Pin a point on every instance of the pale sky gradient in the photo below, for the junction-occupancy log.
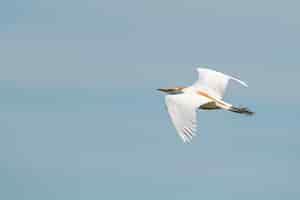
(80, 117)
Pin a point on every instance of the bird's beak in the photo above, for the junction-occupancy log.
(162, 89)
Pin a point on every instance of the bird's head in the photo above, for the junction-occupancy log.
(175, 90)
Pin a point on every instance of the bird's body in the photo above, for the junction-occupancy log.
(206, 93)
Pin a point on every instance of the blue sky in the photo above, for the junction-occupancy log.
(80, 117)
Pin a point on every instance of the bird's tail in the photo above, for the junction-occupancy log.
(241, 110)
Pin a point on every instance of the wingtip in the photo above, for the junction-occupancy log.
(244, 84)
(239, 81)
(199, 69)
(185, 139)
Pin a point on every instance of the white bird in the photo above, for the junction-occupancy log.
(206, 93)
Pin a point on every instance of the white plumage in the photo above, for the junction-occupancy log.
(182, 103)
(182, 110)
(214, 82)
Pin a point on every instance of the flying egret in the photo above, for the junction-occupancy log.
(206, 93)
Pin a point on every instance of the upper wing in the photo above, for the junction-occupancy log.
(214, 82)
(182, 110)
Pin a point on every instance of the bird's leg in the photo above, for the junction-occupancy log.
(222, 104)
(218, 102)
(241, 110)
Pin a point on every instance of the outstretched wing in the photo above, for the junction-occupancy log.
(182, 111)
(214, 82)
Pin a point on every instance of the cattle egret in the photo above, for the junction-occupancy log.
(206, 93)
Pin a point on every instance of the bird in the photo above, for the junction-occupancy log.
(206, 93)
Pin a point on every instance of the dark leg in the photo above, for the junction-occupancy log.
(241, 110)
